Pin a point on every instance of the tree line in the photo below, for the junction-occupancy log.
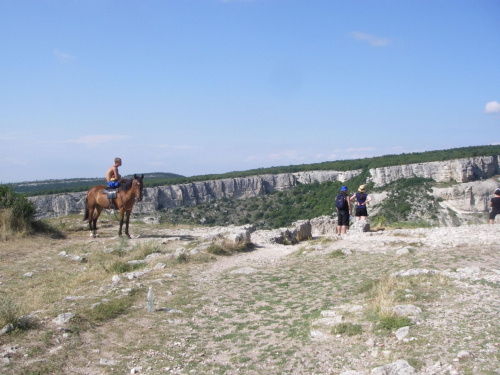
(162, 179)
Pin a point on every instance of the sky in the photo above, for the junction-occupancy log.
(198, 87)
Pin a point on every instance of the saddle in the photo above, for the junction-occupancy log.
(110, 193)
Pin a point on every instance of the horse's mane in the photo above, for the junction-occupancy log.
(126, 185)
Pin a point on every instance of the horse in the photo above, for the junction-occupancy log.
(96, 200)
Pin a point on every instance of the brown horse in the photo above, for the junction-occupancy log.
(96, 200)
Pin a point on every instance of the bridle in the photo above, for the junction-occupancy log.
(138, 185)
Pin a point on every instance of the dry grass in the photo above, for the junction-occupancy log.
(211, 320)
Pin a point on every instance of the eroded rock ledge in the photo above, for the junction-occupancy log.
(170, 196)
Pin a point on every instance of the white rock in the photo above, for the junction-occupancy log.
(400, 367)
(7, 329)
(407, 310)
(245, 270)
(328, 313)
(464, 354)
(107, 362)
(63, 318)
(403, 251)
(319, 336)
(328, 321)
(402, 332)
(116, 279)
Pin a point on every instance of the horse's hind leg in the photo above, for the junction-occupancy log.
(121, 222)
(94, 220)
(91, 221)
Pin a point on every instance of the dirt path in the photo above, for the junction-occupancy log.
(263, 311)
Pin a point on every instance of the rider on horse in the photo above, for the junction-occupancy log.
(113, 178)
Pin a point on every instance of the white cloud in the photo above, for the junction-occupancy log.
(374, 41)
(91, 140)
(492, 108)
(63, 56)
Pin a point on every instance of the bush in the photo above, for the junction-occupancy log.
(16, 211)
(9, 312)
(228, 248)
(348, 329)
(392, 323)
(109, 310)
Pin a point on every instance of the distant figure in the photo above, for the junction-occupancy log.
(362, 199)
(344, 210)
(495, 206)
(113, 179)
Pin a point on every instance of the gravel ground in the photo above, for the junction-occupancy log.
(274, 310)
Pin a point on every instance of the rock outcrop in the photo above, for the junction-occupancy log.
(172, 196)
(466, 197)
(459, 170)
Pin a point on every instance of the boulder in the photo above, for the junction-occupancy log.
(361, 226)
(323, 226)
(400, 367)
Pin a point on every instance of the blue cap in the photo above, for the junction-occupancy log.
(344, 188)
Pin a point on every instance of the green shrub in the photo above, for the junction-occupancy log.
(118, 267)
(17, 212)
(110, 309)
(9, 312)
(217, 249)
(228, 248)
(348, 329)
(391, 323)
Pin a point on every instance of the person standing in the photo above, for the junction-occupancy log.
(495, 206)
(362, 199)
(344, 210)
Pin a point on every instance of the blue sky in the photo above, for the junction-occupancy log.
(211, 86)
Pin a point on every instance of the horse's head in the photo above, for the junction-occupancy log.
(138, 186)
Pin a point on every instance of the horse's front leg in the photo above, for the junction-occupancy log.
(126, 223)
(122, 211)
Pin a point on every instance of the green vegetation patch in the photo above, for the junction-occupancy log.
(349, 329)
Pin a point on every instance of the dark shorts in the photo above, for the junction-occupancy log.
(343, 218)
(494, 213)
(361, 211)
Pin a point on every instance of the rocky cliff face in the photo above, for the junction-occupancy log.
(171, 196)
(467, 197)
(459, 170)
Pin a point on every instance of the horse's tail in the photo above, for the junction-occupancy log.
(86, 217)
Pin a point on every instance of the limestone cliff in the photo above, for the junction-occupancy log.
(459, 170)
(170, 196)
(462, 197)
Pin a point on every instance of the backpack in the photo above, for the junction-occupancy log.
(340, 201)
